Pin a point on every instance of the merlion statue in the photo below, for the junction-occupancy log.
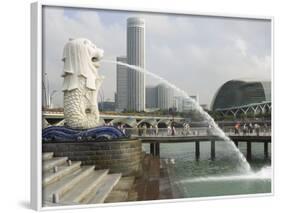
(80, 87)
(81, 83)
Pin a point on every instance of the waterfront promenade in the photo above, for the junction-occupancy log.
(203, 135)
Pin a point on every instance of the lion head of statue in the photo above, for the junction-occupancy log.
(81, 58)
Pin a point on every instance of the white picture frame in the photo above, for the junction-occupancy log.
(36, 98)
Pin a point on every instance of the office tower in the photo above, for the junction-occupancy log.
(136, 56)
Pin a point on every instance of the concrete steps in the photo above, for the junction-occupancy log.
(84, 189)
(125, 183)
(103, 189)
(47, 155)
(65, 183)
(51, 176)
(51, 163)
(68, 183)
(122, 191)
(117, 196)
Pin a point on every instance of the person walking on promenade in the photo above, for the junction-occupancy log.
(236, 128)
(250, 128)
(144, 130)
(119, 126)
(156, 129)
(169, 130)
(173, 130)
(257, 129)
(265, 128)
(186, 129)
(209, 132)
(245, 129)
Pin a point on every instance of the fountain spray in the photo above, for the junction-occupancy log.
(243, 162)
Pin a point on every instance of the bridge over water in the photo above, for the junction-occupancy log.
(130, 120)
(195, 135)
(155, 142)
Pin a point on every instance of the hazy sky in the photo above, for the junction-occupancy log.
(196, 53)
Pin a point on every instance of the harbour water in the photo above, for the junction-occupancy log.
(222, 176)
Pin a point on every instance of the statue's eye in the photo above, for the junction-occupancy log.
(94, 59)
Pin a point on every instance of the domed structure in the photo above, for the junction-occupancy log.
(237, 93)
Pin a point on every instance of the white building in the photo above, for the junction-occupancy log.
(136, 56)
(121, 85)
(177, 103)
(164, 97)
(184, 104)
(187, 105)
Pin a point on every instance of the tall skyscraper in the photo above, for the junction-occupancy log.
(136, 56)
(121, 85)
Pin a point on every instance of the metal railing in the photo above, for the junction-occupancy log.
(200, 131)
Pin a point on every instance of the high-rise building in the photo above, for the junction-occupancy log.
(183, 104)
(136, 56)
(121, 85)
(164, 97)
(178, 103)
(151, 97)
(187, 105)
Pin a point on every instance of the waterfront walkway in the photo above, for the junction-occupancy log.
(200, 131)
(155, 142)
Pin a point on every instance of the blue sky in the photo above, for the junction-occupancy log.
(197, 53)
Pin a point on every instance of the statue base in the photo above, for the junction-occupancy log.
(62, 133)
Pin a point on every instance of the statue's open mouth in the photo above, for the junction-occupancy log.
(96, 61)
(96, 57)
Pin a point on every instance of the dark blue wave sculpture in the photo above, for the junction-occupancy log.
(62, 133)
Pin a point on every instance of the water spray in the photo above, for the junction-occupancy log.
(245, 165)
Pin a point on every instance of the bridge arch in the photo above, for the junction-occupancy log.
(129, 122)
(149, 121)
(163, 123)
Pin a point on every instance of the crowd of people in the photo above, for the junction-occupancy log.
(249, 128)
(185, 130)
(170, 130)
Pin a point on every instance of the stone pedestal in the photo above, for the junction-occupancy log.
(119, 156)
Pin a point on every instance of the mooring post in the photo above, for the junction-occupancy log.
(152, 150)
(265, 144)
(249, 150)
(213, 149)
(197, 149)
(157, 149)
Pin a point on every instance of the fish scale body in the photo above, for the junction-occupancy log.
(79, 110)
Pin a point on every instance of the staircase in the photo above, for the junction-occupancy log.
(68, 183)
(123, 191)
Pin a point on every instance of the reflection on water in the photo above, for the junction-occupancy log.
(219, 177)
